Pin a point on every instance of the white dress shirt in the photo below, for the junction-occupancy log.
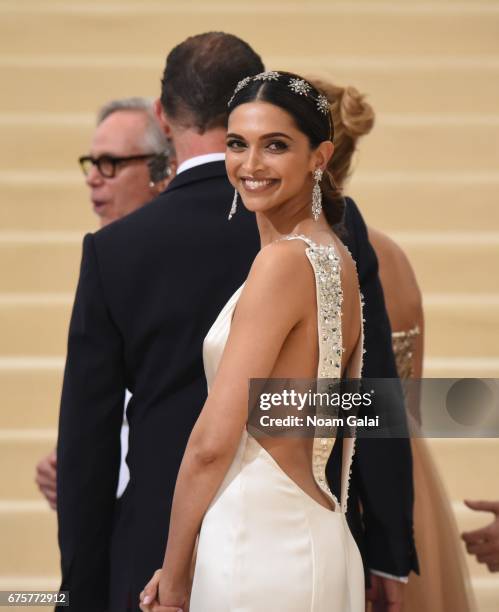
(198, 160)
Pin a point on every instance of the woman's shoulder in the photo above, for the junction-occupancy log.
(284, 263)
(280, 284)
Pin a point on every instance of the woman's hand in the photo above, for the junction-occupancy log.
(154, 592)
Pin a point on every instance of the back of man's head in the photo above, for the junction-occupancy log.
(200, 76)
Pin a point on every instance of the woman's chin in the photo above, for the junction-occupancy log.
(257, 204)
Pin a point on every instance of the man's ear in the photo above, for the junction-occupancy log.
(159, 111)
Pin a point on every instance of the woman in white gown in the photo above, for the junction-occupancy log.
(272, 536)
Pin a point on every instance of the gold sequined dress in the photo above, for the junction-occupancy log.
(443, 584)
(265, 544)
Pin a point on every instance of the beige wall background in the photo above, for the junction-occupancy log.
(428, 175)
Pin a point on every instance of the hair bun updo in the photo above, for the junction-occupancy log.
(353, 117)
(357, 115)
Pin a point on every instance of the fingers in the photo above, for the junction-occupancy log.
(394, 593)
(483, 506)
(53, 458)
(484, 544)
(382, 605)
(151, 589)
(47, 468)
(483, 548)
(156, 607)
(372, 595)
(374, 592)
(45, 482)
(485, 533)
(149, 596)
(474, 537)
(46, 474)
(386, 595)
(488, 559)
(51, 498)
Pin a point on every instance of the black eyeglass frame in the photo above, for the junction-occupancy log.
(114, 161)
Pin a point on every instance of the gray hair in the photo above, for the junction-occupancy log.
(155, 140)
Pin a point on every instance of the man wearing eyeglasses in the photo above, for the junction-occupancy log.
(130, 162)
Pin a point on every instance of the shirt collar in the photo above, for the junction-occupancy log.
(198, 160)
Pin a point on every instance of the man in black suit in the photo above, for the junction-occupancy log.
(150, 287)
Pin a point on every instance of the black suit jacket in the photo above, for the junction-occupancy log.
(150, 287)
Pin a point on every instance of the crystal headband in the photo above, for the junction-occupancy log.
(298, 86)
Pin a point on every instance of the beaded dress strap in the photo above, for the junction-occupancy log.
(326, 267)
(325, 263)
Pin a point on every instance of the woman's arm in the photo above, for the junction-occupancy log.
(276, 297)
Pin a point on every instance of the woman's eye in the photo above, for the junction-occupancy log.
(235, 144)
(277, 145)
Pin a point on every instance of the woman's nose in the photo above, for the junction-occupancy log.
(253, 161)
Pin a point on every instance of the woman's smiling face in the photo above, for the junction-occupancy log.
(269, 160)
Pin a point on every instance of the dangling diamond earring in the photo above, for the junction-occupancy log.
(317, 194)
(233, 208)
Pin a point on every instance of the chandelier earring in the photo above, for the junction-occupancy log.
(233, 208)
(317, 194)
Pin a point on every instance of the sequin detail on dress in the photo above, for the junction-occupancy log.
(326, 265)
(403, 348)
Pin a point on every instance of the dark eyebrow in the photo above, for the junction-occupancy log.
(277, 135)
(271, 135)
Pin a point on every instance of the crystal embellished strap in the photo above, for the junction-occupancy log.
(349, 443)
(327, 270)
(326, 266)
(306, 239)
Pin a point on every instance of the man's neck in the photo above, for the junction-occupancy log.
(189, 143)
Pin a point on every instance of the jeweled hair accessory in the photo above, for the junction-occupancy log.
(322, 104)
(240, 86)
(270, 75)
(297, 86)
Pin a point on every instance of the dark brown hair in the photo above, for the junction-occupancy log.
(200, 76)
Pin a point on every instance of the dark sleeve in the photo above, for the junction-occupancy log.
(382, 468)
(88, 448)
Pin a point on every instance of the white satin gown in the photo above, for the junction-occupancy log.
(266, 545)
